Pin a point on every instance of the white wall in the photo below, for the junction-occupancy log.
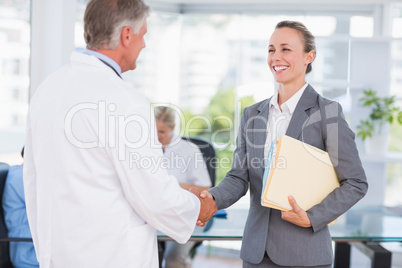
(52, 39)
(370, 69)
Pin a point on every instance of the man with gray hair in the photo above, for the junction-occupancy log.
(88, 203)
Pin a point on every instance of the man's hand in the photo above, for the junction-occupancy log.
(208, 207)
(297, 215)
(205, 194)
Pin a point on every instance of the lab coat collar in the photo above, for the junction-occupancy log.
(89, 60)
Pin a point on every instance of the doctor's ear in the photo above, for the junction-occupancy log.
(125, 36)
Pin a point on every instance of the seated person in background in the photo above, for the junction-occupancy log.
(184, 160)
(22, 254)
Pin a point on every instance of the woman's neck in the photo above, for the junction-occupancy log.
(285, 92)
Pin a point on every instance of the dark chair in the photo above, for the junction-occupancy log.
(208, 153)
(4, 239)
(4, 242)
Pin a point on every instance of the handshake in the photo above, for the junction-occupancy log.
(208, 206)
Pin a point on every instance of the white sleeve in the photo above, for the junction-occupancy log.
(152, 193)
(197, 170)
(29, 179)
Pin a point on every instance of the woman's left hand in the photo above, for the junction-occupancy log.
(297, 215)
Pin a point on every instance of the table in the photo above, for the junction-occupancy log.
(361, 227)
(364, 228)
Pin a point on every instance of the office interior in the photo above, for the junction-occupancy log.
(208, 59)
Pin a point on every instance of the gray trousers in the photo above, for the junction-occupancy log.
(267, 263)
(177, 255)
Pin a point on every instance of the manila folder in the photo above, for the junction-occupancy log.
(300, 170)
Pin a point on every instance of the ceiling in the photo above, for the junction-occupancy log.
(275, 1)
(259, 2)
(269, 6)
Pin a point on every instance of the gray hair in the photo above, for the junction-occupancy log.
(308, 38)
(105, 19)
(165, 115)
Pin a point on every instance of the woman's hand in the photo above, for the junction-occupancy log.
(297, 215)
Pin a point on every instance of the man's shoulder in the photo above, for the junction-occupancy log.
(14, 179)
(188, 146)
(183, 147)
(15, 171)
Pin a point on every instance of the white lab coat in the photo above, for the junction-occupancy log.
(92, 198)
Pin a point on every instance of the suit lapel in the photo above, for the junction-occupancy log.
(299, 117)
(260, 124)
(260, 130)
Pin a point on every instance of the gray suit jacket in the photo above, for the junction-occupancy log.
(316, 121)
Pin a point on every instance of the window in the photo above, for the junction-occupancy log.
(396, 20)
(79, 24)
(396, 69)
(14, 77)
(16, 94)
(361, 26)
(157, 74)
(396, 73)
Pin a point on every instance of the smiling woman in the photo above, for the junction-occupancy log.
(290, 54)
(298, 111)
